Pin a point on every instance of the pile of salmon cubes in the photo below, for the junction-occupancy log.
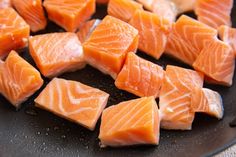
(110, 45)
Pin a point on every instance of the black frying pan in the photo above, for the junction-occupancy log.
(35, 132)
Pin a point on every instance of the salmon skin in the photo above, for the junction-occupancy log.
(32, 12)
(74, 101)
(5, 4)
(69, 14)
(18, 79)
(133, 122)
(217, 61)
(187, 39)
(14, 32)
(86, 29)
(123, 9)
(153, 32)
(108, 45)
(140, 77)
(57, 53)
(214, 12)
(175, 97)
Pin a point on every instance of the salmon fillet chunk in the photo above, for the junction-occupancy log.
(133, 122)
(74, 101)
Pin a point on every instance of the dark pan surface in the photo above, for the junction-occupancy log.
(35, 132)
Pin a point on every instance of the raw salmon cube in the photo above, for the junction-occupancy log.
(123, 9)
(228, 35)
(74, 101)
(56, 53)
(175, 97)
(217, 61)
(207, 101)
(131, 122)
(18, 79)
(32, 12)
(86, 29)
(5, 4)
(140, 77)
(14, 32)
(108, 45)
(187, 38)
(69, 14)
(153, 32)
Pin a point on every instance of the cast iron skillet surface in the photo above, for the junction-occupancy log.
(35, 132)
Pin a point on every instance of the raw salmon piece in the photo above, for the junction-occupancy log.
(188, 38)
(153, 32)
(214, 12)
(140, 77)
(123, 9)
(217, 61)
(86, 29)
(207, 101)
(56, 53)
(131, 122)
(5, 4)
(69, 14)
(32, 12)
(184, 5)
(163, 8)
(102, 1)
(74, 101)
(18, 79)
(108, 45)
(228, 35)
(175, 97)
(14, 32)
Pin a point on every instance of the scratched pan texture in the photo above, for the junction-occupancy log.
(35, 132)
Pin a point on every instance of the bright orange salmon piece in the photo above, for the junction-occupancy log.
(163, 8)
(56, 53)
(18, 79)
(140, 77)
(207, 101)
(184, 5)
(228, 35)
(14, 32)
(86, 29)
(32, 12)
(5, 4)
(214, 12)
(175, 97)
(69, 14)
(108, 45)
(74, 101)
(131, 122)
(217, 61)
(188, 38)
(123, 9)
(153, 32)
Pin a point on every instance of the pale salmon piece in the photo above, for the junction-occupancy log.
(56, 53)
(74, 101)
(140, 77)
(14, 32)
(214, 12)
(32, 12)
(153, 32)
(86, 29)
(69, 14)
(5, 4)
(123, 9)
(184, 5)
(163, 8)
(133, 122)
(217, 61)
(175, 97)
(187, 38)
(228, 35)
(102, 1)
(108, 45)
(18, 79)
(207, 101)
